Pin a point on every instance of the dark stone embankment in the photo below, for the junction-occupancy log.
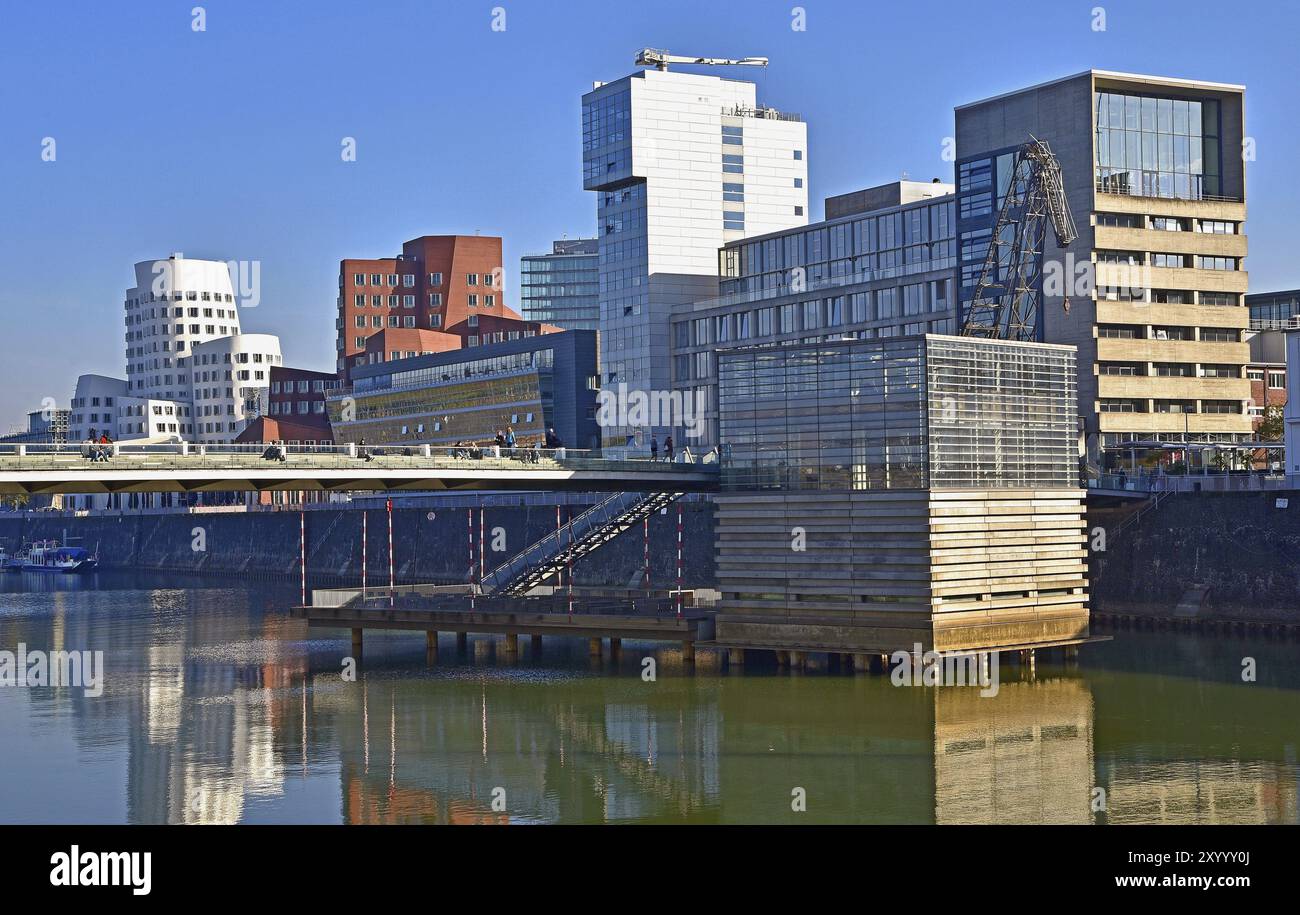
(1224, 555)
(265, 545)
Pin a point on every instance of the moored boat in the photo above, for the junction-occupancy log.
(51, 556)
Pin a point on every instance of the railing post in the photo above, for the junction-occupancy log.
(352, 449)
(302, 553)
(185, 449)
(425, 451)
(679, 559)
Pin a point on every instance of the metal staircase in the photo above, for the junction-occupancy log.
(587, 532)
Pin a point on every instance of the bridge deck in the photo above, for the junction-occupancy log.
(145, 470)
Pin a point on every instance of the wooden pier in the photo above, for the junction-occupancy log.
(652, 620)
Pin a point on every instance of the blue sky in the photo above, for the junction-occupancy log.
(225, 143)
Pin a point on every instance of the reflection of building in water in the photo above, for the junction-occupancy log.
(588, 751)
(1201, 792)
(1022, 756)
(202, 739)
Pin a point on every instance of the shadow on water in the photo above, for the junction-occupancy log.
(217, 707)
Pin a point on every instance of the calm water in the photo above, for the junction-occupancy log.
(218, 708)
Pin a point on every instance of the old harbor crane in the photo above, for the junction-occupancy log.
(1007, 298)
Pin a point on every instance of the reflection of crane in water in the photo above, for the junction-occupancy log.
(1008, 296)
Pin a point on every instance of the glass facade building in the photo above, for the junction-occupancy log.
(867, 276)
(531, 384)
(1274, 310)
(919, 412)
(681, 163)
(563, 287)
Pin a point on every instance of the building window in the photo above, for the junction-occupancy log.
(471, 279)
(1277, 379)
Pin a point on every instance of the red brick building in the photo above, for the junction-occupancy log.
(295, 408)
(1267, 372)
(448, 283)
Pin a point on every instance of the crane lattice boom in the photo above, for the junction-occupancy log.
(1008, 296)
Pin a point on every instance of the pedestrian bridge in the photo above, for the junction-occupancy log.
(119, 468)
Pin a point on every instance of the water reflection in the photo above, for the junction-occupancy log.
(218, 709)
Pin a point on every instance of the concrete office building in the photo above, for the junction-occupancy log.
(563, 287)
(469, 394)
(681, 164)
(882, 493)
(882, 268)
(1156, 183)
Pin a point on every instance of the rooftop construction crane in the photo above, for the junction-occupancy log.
(1008, 295)
(650, 57)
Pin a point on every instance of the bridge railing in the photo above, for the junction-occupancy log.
(188, 456)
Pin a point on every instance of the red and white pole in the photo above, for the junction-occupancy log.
(482, 555)
(392, 579)
(559, 575)
(470, 520)
(569, 563)
(302, 553)
(679, 560)
(645, 546)
(363, 556)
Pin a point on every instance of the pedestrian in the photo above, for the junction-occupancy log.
(654, 448)
(668, 448)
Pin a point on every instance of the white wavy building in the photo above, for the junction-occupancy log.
(191, 374)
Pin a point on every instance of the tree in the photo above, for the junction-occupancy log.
(1272, 428)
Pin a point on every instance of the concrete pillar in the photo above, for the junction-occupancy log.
(594, 648)
(537, 645)
(688, 652)
(862, 663)
(512, 643)
(462, 641)
(431, 643)
(736, 656)
(1071, 652)
(615, 647)
(798, 659)
(356, 641)
(782, 659)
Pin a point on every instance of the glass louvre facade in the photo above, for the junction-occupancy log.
(906, 413)
(1154, 146)
(1001, 414)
